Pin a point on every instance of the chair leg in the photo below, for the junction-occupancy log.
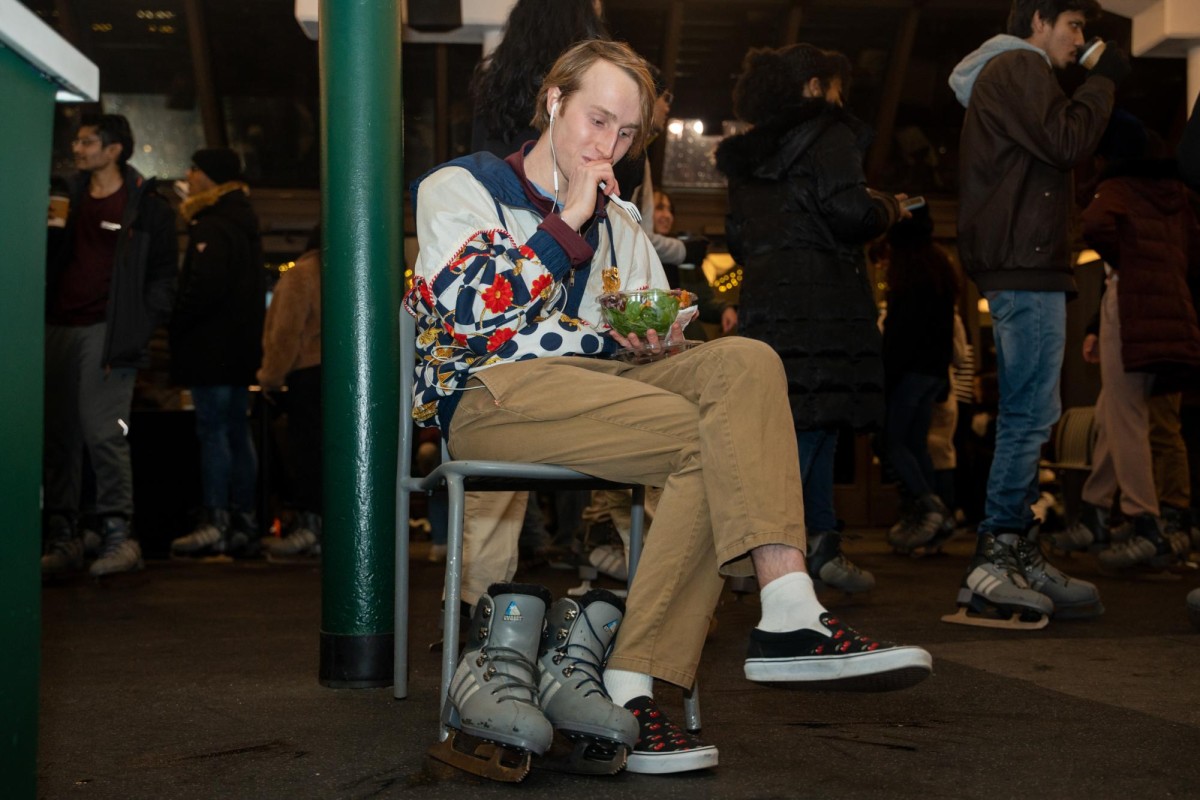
(400, 603)
(453, 591)
(691, 708)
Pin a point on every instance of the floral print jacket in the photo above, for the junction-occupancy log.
(499, 278)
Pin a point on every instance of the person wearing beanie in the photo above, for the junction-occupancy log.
(216, 347)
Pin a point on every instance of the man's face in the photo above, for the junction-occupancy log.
(90, 152)
(1059, 39)
(597, 122)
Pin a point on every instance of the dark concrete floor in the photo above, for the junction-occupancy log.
(199, 681)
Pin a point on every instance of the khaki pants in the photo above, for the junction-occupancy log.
(1172, 476)
(1121, 457)
(711, 425)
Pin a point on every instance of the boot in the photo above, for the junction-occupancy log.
(208, 539)
(121, 552)
(1089, 532)
(64, 550)
(933, 526)
(492, 710)
(575, 645)
(304, 539)
(828, 564)
(1146, 548)
(1073, 598)
(241, 539)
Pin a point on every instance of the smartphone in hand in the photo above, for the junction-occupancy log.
(912, 203)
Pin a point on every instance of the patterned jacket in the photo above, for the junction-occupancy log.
(500, 278)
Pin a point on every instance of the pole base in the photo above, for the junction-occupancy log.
(356, 662)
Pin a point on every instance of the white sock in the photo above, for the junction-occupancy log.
(790, 603)
(623, 686)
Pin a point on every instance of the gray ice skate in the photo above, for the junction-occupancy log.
(932, 526)
(120, 552)
(208, 539)
(1089, 532)
(1148, 548)
(598, 733)
(492, 709)
(303, 542)
(995, 592)
(828, 564)
(64, 550)
(1073, 598)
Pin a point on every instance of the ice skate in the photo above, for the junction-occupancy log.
(1073, 598)
(120, 553)
(303, 543)
(931, 529)
(828, 564)
(492, 712)
(207, 540)
(995, 592)
(1089, 532)
(64, 550)
(593, 735)
(899, 533)
(1146, 553)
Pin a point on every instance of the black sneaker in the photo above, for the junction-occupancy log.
(842, 659)
(663, 747)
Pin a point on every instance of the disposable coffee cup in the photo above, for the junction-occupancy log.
(1090, 52)
(60, 204)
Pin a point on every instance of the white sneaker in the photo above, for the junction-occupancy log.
(609, 559)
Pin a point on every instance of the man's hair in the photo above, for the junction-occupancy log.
(112, 129)
(773, 80)
(568, 71)
(506, 82)
(1020, 17)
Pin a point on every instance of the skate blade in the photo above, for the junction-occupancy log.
(485, 759)
(583, 755)
(1015, 623)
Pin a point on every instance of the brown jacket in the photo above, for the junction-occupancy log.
(292, 332)
(1021, 137)
(1141, 223)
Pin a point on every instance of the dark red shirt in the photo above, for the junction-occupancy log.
(82, 291)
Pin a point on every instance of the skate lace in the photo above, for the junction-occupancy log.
(506, 681)
(589, 664)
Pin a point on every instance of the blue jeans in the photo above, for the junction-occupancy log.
(228, 463)
(906, 430)
(1030, 329)
(817, 450)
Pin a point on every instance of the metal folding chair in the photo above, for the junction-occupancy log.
(459, 477)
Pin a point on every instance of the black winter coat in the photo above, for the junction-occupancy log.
(216, 328)
(799, 216)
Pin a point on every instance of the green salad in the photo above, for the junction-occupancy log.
(641, 311)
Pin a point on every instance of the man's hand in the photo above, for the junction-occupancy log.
(729, 321)
(653, 343)
(1091, 348)
(580, 203)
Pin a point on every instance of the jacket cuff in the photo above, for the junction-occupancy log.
(577, 250)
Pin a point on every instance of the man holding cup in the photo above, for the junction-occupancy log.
(1021, 137)
(110, 277)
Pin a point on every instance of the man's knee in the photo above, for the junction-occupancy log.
(748, 355)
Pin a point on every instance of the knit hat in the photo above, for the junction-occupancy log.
(220, 164)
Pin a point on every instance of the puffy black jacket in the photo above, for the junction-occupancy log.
(143, 279)
(216, 329)
(799, 215)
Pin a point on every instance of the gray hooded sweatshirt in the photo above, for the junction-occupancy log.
(962, 80)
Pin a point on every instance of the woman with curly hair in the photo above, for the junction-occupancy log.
(799, 216)
(506, 82)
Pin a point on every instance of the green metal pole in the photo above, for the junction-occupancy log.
(25, 140)
(361, 193)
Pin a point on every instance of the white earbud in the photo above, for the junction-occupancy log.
(553, 109)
